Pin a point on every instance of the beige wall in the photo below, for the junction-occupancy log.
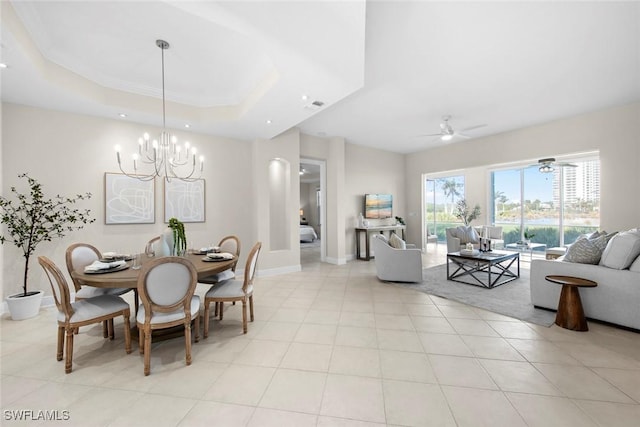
(614, 132)
(70, 153)
(368, 170)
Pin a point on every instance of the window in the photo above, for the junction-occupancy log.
(441, 195)
(554, 207)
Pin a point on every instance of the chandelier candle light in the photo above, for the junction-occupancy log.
(164, 154)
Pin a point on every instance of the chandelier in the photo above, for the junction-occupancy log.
(167, 159)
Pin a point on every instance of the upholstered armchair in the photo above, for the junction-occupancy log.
(396, 265)
(456, 239)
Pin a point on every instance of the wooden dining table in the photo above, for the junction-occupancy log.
(128, 278)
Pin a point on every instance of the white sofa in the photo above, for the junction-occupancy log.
(396, 265)
(454, 243)
(616, 299)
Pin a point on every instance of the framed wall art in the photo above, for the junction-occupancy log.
(128, 200)
(184, 200)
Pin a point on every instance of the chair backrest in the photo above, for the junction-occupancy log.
(150, 248)
(230, 244)
(78, 256)
(250, 268)
(59, 286)
(167, 284)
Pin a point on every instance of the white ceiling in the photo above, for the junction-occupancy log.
(386, 71)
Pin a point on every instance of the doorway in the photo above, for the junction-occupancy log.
(312, 211)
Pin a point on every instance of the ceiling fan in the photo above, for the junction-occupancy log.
(447, 132)
(549, 164)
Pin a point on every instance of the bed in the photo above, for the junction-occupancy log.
(307, 233)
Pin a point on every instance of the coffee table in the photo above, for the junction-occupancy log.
(570, 314)
(524, 248)
(484, 269)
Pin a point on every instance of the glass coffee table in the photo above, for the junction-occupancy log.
(485, 269)
(530, 247)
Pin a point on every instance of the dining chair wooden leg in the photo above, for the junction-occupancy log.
(105, 329)
(244, 316)
(206, 319)
(221, 308)
(127, 332)
(60, 351)
(197, 325)
(112, 333)
(215, 310)
(141, 339)
(187, 341)
(147, 352)
(69, 350)
(251, 307)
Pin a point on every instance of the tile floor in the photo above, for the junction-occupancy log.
(333, 346)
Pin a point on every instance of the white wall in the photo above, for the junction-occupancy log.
(70, 153)
(615, 132)
(368, 170)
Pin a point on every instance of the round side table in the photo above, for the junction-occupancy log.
(570, 314)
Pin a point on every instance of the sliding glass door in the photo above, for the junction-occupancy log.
(440, 197)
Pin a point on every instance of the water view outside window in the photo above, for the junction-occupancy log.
(441, 195)
(554, 207)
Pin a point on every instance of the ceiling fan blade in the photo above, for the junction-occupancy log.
(462, 135)
(473, 127)
(430, 134)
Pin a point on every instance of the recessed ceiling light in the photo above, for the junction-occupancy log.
(305, 97)
(3, 65)
(268, 122)
(123, 115)
(187, 125)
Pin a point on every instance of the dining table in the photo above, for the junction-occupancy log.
(128, 278)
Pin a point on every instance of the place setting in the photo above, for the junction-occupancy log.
(100, 267)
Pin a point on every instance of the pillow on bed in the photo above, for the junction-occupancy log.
(397, 242)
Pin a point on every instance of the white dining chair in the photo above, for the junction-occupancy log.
(166, 286)
(101, 308)
(229, 244)
(234, 290)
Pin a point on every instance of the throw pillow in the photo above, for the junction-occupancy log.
(587, 251)
(621, 250)
(397, 242)
(467, 234)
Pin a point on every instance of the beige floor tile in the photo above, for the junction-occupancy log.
(240, 384)
(223, 414)
(155, 410)
(416, 298)
(13, 388)
(627, 381)
(394, 321)
(322, 317)
(307, 357)
(263, 417)
(355, 361)
(357, 398)
(356, 306)
(51, 395)
(597, 356)
(472, 327)
(611, 414)
(286, 314)
(215, 349)
(263, 353)
(448, 344)
(428, 310)
(474, 407)
(356, 336)
(488, 315)
(460, 371)
(436, 325)
(407, 366)
(415, 404)
(316, 334)
(519, 377)
(292, 390)
(544, 411)
(491, 348)
(324, 421)
(542, 351)
(362, 320)
(579, 382)
(512, 329)
(385, 307)
(278, 331)
(458, 312)
(101, 406)
(398, 340)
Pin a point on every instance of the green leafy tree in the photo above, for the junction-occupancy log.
(32, 219)
(450, 188)
(464, 213)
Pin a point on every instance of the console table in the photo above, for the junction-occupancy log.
(367, 232)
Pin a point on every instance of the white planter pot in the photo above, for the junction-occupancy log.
(24, 307)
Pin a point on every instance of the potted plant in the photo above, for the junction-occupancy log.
(464, 213)
(31, 219)
(528, 236)
(179, 237)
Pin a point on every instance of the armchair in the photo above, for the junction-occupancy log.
(396, 265)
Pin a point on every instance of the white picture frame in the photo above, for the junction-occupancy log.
(128, 200)
(184, 200)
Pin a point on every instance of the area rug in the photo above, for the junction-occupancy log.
(512, 299)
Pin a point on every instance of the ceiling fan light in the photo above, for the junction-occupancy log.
(447, 137)
(546, 169)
